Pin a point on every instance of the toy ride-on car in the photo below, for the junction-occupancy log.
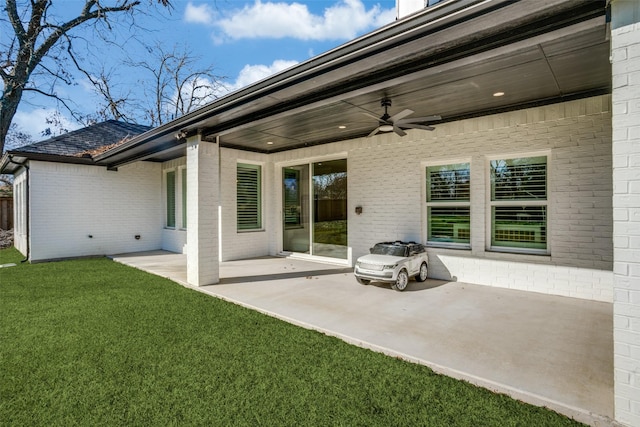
(393, 262)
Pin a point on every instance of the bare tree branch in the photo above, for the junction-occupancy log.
(172, 86)
(62, 101)
(32, 41)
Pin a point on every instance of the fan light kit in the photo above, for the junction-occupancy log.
(397, 123)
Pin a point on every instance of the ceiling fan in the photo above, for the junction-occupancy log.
(398, 122)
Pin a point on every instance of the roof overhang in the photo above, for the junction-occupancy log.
(13, 160)
(448, 59)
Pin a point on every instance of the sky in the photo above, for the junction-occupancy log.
(244, 41)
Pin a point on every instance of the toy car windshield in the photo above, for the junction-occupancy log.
(394, 250)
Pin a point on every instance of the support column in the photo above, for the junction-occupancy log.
(203, 199)
(625, 56)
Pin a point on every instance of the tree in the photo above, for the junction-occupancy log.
(34, 41)
(177, 87)
(15, 138)
(56, 126)
(171, 87)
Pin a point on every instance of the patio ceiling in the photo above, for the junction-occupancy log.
(447, 60)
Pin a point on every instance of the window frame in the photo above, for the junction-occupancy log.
(183, 196)
(490, 204)
(166, 199)
(445, 203)
(259, 226)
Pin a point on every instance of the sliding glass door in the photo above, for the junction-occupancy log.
(315, 209)
(295, 206)
(330, 209)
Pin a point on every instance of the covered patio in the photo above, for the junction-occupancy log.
(546, 350)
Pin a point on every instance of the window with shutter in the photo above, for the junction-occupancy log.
(519, 203)
(184, 197)
(448, 204)
(249, 198)
(171, 198)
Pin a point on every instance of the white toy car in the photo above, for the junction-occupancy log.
(393, 262)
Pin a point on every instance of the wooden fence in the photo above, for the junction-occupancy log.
(6, 213)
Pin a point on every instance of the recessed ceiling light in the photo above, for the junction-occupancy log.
(498, 94)
(269, 142)
(342, 127)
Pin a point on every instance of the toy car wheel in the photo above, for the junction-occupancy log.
(402, 281)
(422, 275)
(363, 281)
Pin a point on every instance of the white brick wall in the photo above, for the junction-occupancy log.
(20, 222)
(203, 199)
(69, 203)
(244, 244)
(174, 239)
(386, 178)
(625, 43)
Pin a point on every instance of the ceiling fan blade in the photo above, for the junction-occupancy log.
(399, 131)
(376, 130)
(414, 126)
(402, 114)
(421, 119)
(370, 115)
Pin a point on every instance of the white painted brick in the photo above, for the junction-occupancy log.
(79, 201)
(622, 377)
(202, 206)
(626, 133)
(622, 349)
(576, 135)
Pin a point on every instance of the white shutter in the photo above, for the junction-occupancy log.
(249, 201)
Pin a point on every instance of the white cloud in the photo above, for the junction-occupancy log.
(342, 21)
(34, 122)
(386, 16)
(253, 73)
(198, 14)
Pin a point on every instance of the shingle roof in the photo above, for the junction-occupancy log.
(86, 141)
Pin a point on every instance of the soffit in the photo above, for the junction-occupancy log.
(574, 65)
(534, 52)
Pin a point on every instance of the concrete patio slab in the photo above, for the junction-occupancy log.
(546, 350)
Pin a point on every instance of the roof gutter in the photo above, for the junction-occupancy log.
(5, 161)
(271, 92)
(8, 159)
(439, 14)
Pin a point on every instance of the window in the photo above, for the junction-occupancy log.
(19, 200)
(448, 204)
(519, 203)
(171, 198)
(292, 198)
(249, 201)
(184, 197)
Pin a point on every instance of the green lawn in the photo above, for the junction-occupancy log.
(92, 342)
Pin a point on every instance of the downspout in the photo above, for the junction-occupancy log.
(27, 204)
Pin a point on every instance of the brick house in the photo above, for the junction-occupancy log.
(530, 180)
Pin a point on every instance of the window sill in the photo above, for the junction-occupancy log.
(519, 251)
(254, 230)
(456, 246)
